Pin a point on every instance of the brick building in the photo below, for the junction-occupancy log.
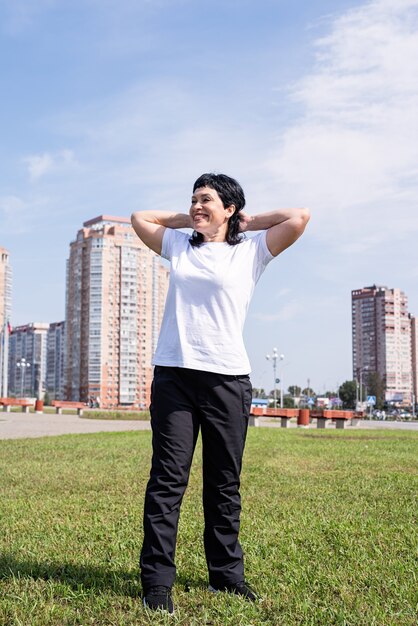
(5, 312)
(115, 295)
(382, 340)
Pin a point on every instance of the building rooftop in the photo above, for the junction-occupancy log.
(107, 219)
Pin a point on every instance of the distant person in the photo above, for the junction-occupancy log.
(201, 376)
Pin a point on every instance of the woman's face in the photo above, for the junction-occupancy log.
(208, 213)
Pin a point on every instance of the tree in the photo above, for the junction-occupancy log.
(288, 402)
(376, 387)
(294, 391)
(348, 394)
(308, 391)
(258, 392)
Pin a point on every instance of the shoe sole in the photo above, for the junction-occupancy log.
(160, 608)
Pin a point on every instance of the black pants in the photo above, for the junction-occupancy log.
(182, 401)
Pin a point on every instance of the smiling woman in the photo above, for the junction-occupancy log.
(201, 376)
(209, 216)
(215, 196)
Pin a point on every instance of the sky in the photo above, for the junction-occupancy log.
(113, 106)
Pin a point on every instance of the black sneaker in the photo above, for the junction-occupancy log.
(158, 598)
(240, 589)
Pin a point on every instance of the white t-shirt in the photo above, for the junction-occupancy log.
(208, 297)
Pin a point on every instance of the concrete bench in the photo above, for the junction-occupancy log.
(284, 414)
(357, 416)
(341, 417)
(66, 404)
(255, 412)
(7, 403)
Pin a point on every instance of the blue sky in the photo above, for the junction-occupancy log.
(112, 106)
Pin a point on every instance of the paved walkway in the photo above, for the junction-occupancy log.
(21, 425)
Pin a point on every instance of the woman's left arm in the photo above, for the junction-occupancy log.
(283, 226)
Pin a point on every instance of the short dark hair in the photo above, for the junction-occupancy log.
(230, 192)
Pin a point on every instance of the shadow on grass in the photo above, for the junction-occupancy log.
(76, 576)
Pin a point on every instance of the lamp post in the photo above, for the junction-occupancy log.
(274, 356)
(363, 369)
(359, 386)
(22, 364)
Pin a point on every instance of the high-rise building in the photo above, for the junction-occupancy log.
(5, 312)
(414, 354)
(55, 360)
(27, 360)
(116, 290)
(381, 330)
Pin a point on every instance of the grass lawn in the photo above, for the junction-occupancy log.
(327, 529)
(94, 414)
(97, 414)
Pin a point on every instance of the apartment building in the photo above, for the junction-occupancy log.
(5, 312)
(55, 361)
(414, 355)
(116, 289)
(382, 339)
(27, 360)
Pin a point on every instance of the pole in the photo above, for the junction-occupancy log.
(2, 347)
(281, 390)
(4, 359)
(281, 381)
(274, 374)
(273, 358)
(21, 366)
(357, 388)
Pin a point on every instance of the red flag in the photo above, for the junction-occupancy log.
(9, 328)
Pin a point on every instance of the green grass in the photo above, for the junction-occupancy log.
(95, 414)
(327, 529)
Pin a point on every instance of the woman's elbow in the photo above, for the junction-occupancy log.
(302, 221)
(305, 215)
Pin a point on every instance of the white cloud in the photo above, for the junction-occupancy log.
(151, 141)
(38, 165)
(353, 155)
(41, 164)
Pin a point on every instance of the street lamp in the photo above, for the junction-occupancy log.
(359, 386)
(274, 356)
(22, 364)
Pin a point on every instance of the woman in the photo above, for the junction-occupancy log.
(201, 376)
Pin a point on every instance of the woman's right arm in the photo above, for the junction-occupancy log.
(150, 226)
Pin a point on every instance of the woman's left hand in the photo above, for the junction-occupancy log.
(244, 221)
